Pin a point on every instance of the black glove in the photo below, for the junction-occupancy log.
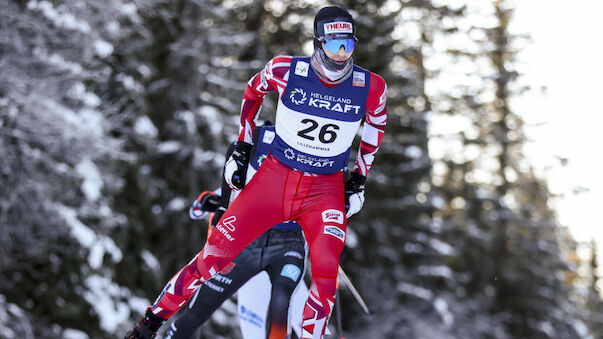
(354, 193)
(217, 215)
(235, 169)
(205, 203)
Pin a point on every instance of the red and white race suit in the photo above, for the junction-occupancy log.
(301, 180)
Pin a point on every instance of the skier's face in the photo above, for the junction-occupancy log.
(340, 57)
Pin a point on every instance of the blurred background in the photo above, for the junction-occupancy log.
(481, 213)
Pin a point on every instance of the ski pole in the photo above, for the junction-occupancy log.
(338, 314)
(355, 293)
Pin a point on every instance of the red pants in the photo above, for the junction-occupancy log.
(275, 194)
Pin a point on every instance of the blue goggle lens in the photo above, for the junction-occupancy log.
(335, 45)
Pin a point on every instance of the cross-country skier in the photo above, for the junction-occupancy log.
(322, 101)
(280, 252)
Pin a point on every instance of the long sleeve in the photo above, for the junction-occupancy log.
(272, 77)
(374, 125)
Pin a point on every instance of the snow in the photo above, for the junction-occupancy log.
(189, 119)
(65, 20)
(137, 303)
(101, 294)
(210, 113)
(177, 204)
(98, 245)
(202, 158)
(129, 82)
(440, 271)
(82, 233)
(413, 152)
(54, 59)
(442, 247)
(171, 146)
(150, 260)
(78, 91)
(442, 307)
(103, 48)
(71, 333)
(93, 182)
(102, 246)
(414, 290)
(351, 238)
(91, 121)
(582, 329)
(144, 126)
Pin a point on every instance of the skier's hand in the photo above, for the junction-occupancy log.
(236, 166)
(354, 193)
(206, 202)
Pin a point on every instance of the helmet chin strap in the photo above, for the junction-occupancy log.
(330, 68)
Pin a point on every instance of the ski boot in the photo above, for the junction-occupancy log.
(146, 328)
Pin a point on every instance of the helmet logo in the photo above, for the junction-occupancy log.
(339, 27)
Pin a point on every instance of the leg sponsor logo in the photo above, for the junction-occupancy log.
(251, 317)
(291, 271)
(332, 215)
(335, 231)
(229, 222)
(214, 287)
(222, 279)
(227, 225)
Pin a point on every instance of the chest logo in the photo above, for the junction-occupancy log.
(298, 96)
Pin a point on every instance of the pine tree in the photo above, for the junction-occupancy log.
(512, 249)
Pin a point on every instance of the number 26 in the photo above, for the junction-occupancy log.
(326, 134)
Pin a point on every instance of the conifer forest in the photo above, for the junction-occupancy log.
(115, 114)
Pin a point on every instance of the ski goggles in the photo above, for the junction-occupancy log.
(334, 45)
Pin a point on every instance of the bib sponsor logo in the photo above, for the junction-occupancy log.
(358, 79)
(268, 137)
(338, 27)
(335, 231)
(298, 96)
(314, 162)
(328, 102)
(291, 271)
(332, 215)
(337, 107)
(289, 154)
(261, 159)
(301, 68)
